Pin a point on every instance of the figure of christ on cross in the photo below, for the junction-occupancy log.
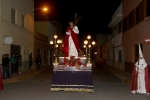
(71, 42)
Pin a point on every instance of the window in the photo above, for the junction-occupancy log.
(119, 55)
(147, 7)
(132, 19)
(38, 51)
(125, 24)
(140, 13)
(22, 21)
(113, 55)
(13, 16)
(45, 55)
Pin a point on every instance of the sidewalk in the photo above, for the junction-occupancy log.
(25, 75)
(125, 76)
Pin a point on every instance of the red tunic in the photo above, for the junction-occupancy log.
(134, 80)
(66, 41)
(1, 81)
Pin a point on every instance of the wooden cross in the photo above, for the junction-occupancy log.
(138, 71)
(77, 19)
(138, 59)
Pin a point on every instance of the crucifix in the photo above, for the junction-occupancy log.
(77, 19)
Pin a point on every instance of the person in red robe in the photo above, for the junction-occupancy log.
(1, 81)
(71, 42)
(140, 78)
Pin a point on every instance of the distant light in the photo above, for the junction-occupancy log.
(93, 43)
(45, 9)
(89, 46)
(85, 42)
(84, 46)
(51, 42)
(56, 45)
(88, 37)
(55, 36)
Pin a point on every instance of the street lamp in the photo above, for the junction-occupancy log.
(51, 42)
(88, 46)
(44, 9)
(55, 37)
(93, 43)
(84, 46)
(56, 46)
(88, 37)
(86, 42)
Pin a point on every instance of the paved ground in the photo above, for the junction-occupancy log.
(106, 87)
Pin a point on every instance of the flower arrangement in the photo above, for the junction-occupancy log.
(72, 62)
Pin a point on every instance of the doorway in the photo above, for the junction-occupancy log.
(15, 49)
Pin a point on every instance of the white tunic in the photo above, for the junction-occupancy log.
(141, 75)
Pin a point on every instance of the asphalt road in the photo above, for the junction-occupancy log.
(106, 87)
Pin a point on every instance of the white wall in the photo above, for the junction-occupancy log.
(46, 28)
(23, 37)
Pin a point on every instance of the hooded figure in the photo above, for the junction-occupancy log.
(140, 78)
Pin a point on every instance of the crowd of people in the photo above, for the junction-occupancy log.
(11, 65)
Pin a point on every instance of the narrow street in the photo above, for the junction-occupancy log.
(106, 87)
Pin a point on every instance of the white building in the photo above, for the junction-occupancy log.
(101, 40)
(117, 53)
(17, 22)
(48, 30)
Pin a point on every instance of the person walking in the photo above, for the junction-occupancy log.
(30, 61)
(17, 63)
(20, 63)
(38, 62)
(8, 62)
(13, 61)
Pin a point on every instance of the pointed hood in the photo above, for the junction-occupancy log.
(141, 60)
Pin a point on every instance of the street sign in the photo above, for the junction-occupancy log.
(147, 40)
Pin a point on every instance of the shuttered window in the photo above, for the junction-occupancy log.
(13, 16)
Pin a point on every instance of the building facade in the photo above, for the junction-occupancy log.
(17, 22)
(44, 32)
(101, 40)
(117, 54)
(136, 27)
(58, 27)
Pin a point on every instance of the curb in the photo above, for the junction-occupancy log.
(27, 76)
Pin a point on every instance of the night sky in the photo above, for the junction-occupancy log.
(95, 14)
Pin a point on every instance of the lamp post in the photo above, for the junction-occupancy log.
(56, 46)
(89, 37)
(85, 43)
(93, 43)
(88, 46)
(55, 37)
